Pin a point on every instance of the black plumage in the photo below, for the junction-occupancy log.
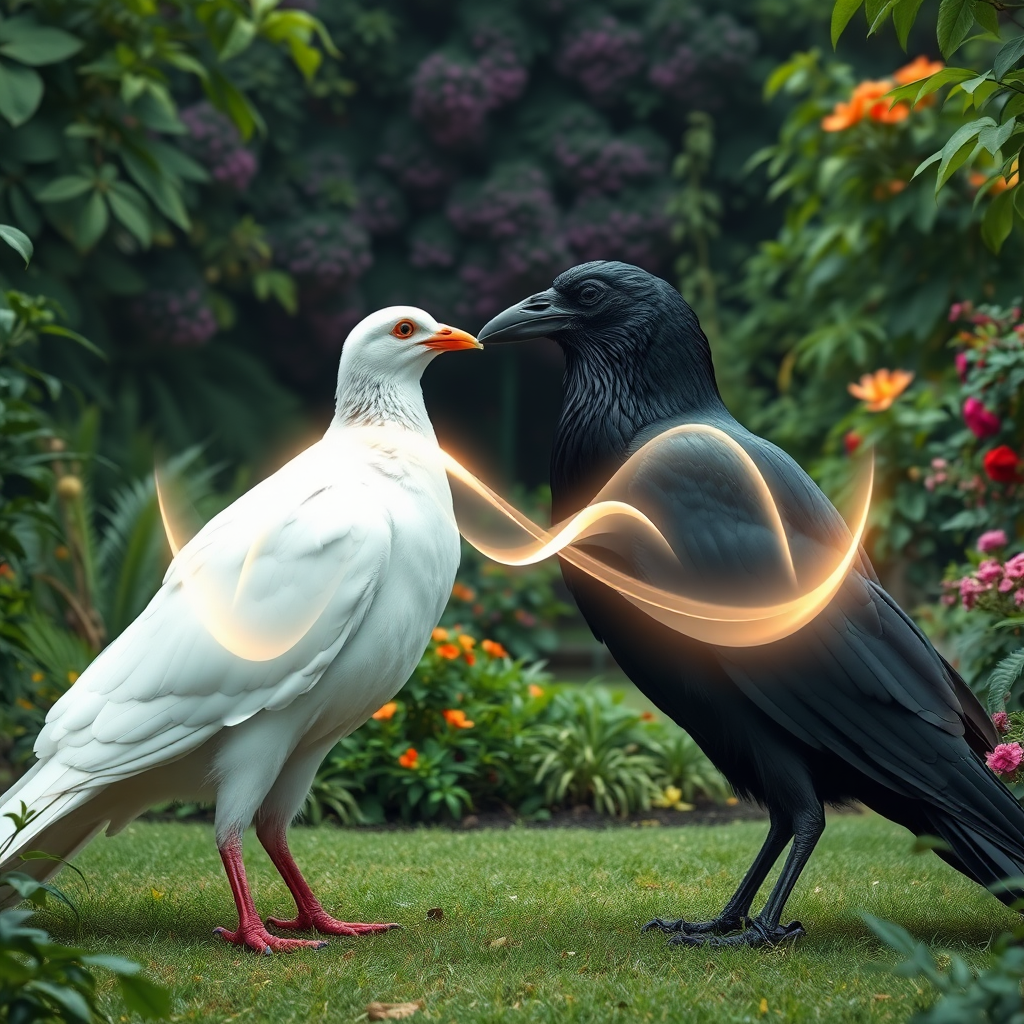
(855, 706)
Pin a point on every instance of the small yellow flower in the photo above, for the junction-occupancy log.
(26, 704)
(732, 801)
(61, 553)
(37, 677)
(157, 894)
(672, 798)
(72, 677)
(439, 634)
(467, 642)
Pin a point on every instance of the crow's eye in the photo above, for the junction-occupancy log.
(589, 294)
(404, 329)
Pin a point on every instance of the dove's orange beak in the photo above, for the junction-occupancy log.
(450, 339)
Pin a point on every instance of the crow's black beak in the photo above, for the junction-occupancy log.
(536, 317)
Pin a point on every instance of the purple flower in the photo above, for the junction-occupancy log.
(990, 540)
(451, 98)
(602, 58)
(213, 140)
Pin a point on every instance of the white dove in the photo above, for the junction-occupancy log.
(280, 627)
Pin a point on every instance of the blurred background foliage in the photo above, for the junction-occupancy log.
(218, 190)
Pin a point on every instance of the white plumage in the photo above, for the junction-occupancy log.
(332, 572)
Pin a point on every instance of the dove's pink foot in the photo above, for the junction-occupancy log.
(259, 940)
(318, 920)
(311, 914)
(251, 931)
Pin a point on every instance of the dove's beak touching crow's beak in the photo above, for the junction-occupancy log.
(450, 339)
(536, 317)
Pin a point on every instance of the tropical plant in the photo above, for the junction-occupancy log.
(593, 753)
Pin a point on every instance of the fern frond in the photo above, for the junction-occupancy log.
(1001, 681)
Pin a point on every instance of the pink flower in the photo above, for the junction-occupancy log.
(990, 540)
(979, 420)
(1018, 598)
(958, 310)
(970, 588)
(1006, 585)
(1001, 721)
(939, 463)
(961, 365)
(1015, 566)
(989, 571)
(1005, 759)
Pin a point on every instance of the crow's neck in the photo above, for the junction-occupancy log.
(613, 402)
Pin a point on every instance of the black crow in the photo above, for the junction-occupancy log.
(855, 706)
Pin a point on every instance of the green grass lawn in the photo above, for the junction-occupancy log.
(566, 903)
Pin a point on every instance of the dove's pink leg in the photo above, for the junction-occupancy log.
(251, 931)
(311, 914)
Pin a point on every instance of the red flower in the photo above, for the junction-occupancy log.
(1001, 464)
(851, 441)
(448, 651)
(456, 718)
(409, 759)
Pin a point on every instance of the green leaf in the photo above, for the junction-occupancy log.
(1008, 55)
(987, 18)
(880, 17)
(66, 332)
(842, 12)
(144, 997)
(957, 149)
(956, 18)
(23, 40)
(997, 223)
(993, 139)
(892, 934)
(1003, 676)
(162, 190)
(239, 39)
(21, 91)
(234, 103)
(129, 207)
(903, 18)
(17, 240)
(60, 190)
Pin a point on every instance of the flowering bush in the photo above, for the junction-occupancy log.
(214, 140)
(474, 730)
(602, 57)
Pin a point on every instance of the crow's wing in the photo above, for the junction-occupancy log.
(860, 679)
(307, 548)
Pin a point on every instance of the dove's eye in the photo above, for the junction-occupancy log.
(404, 329)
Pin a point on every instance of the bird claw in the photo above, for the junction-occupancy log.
(327, 925)
(717, 926)
(755, 934)
(259, 940)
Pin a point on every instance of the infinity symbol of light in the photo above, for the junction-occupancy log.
(724, 625)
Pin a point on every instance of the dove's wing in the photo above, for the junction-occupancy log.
(306, 550)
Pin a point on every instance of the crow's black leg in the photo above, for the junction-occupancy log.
(765, 929)
(734, 913)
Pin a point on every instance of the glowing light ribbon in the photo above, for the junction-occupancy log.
(724, 625)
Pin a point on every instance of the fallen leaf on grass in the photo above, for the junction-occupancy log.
(435, 914)
(392, 1011)
(879, 996)
(495, 943)
(348, 954)
(157, 894)
(763, 1008)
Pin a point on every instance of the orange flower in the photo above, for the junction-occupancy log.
(884, 189)
(494, 649)
(467, 642)
(448, 651)
(6, 570)
(463, 593)
(470, 657)
(409, 759)
(535, 690)
(385, 713)
(881, 388)
(37, 677)
(439, 634)
(918, 68)
(26, 704)
(647, 716)
(867, 101)
(457, 718)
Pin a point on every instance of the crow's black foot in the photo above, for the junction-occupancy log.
(756, 934)
(719, 926)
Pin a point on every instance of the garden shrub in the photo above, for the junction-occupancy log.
(474, 730)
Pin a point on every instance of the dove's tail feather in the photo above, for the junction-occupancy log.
(66, 819)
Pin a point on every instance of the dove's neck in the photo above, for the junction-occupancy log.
(367, 399)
